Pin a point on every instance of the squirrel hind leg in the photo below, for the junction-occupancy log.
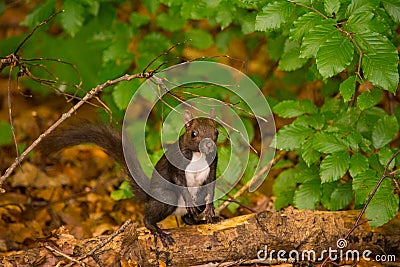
(155, 212)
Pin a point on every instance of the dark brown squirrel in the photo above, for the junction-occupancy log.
(175, 167)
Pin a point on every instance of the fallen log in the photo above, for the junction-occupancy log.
(269, 237)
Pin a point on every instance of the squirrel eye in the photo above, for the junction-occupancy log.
(194, 134)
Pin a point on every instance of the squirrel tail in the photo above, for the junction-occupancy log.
(105, 137)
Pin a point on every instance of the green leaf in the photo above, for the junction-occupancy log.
(138, 20)
(362, 22)
(305, 173)
(385, 154)
(292, 136)
(200, 39)
(369, 99)
(384, 131)
(170, 22)
(274, 15)
(151, 5)
(5, 133)
(392, 7)
(39, 13)
(283, 188)
(123, 192)
(334, 55)
(341, 196)
(358, 164)
(192, 9)
(275, 46)
(363, 184)
(291, 60)
(316, 37)
(380, 60)
(347, 88)
(123, 92)
(308, 195)
(304, 24)
(331, 6)
(285, 182)
(327, 143)
(73, 17)
(308, 153)
(359, 6)
(383, 206)
(292, 108)
(334, 166)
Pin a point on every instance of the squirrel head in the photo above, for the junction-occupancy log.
(201, 133)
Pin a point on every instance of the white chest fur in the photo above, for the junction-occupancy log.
(196, 173)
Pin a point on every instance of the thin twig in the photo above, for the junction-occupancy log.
(91, 94)
(248, 184)
(55, 251)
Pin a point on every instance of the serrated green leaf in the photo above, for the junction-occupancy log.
(380, 60)
(194, 10)
(151, 5)
(334, 55)
(383, 206)
(327, 143)
(348, 88)
(334, 166)
(275, 46)
(309, 154)
(316, 37)
(362, 22)
(385, 154)
(5, 133)
(123, 92)
(384, 131)
(225, 14)
(283, 200)
(392, 7)
(353, 140)
(341, 197)
(363, 184)
(285, 182)
(39, 13)
(331, 6)
(138, 20)
(292, 136)
(247, 22)
(291, 60)
(305, 173)
(274, 15)
(359, 6)
(293, 108)
(170, 22)
(200, 39)
(73, 17)
(358, 164)
(369, 99)
(308, 195)
(304, 24)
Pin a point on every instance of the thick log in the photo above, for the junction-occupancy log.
(247, 237)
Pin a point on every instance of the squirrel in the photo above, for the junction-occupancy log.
(190, 163)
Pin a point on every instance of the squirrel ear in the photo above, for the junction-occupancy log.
(212, 114)
(187, 117)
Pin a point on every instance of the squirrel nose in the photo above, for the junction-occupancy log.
(207, 146)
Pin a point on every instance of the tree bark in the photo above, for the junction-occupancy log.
(247, 237)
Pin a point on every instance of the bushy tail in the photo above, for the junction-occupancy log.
(105, 137)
